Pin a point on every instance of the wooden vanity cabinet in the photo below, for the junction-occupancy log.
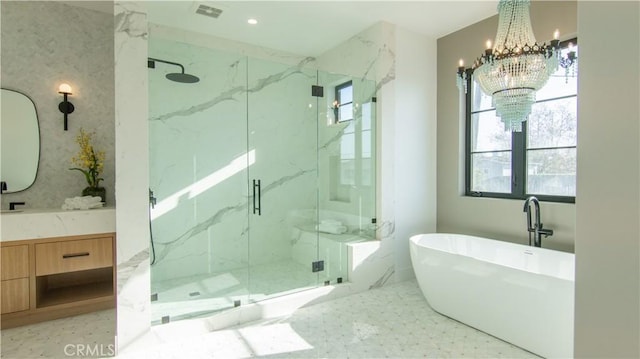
(14, 289)
(51, 278)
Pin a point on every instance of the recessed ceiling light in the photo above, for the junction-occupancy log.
(252, 21)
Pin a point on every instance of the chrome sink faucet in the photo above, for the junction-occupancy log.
(535, 228)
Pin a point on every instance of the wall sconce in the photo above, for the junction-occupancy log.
(65, 106)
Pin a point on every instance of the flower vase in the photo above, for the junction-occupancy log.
(95, 192)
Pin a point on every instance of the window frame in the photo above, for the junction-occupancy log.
(338, 88)
(363, 147)
(518, 151)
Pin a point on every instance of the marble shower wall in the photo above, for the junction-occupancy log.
(371, 55)
(197, 160)
(346, 157)
(371, 52)
(46, 43)
(245, 119)
(132, 149)
(197, 132)
(283, 133)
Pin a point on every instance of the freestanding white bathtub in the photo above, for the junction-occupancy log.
(523, 295)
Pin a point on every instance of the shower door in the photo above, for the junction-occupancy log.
(346, 168)
(198, 175)
(282, 140)
(243, 166)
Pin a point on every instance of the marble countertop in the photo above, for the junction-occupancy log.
(45, 223)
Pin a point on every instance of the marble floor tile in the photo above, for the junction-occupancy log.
(82, 336)
(393, 321)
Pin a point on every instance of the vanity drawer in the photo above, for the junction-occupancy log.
(15, 262)
(14, 295)
(70, 256)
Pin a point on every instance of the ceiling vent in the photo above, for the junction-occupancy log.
(208, 11)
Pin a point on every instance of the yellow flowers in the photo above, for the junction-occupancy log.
(92, 162)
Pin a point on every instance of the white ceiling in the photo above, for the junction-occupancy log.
(311, 27)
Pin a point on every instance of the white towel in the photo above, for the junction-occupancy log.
(86, 202)
(331, 222)
(331, 228)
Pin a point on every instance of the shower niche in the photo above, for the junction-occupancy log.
(262, 174)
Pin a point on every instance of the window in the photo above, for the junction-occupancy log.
(348, 155)
(540, 160)
(356, 167)
(344, 98)
(354, 120)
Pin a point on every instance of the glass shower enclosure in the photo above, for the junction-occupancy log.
(261, 173)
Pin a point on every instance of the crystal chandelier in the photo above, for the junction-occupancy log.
(516, 67)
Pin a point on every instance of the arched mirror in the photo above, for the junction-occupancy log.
(20, 146)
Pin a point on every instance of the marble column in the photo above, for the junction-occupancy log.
(132, 172)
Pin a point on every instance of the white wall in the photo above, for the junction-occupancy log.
(493, 218)
(414, 161)
(607, 316)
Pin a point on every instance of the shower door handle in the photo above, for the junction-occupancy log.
(256, 195)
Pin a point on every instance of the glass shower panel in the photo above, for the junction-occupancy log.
(283, 180)
(347, 172)
(199, 163)
(257, 187)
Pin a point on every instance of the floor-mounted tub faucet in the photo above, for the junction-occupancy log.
(535, 228)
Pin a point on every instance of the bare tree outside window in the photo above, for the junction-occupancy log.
(540, 160)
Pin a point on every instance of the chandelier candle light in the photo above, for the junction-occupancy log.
(516, 66)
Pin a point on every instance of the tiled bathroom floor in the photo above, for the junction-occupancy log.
(389, 322)
(200, 295)
(61, 338)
